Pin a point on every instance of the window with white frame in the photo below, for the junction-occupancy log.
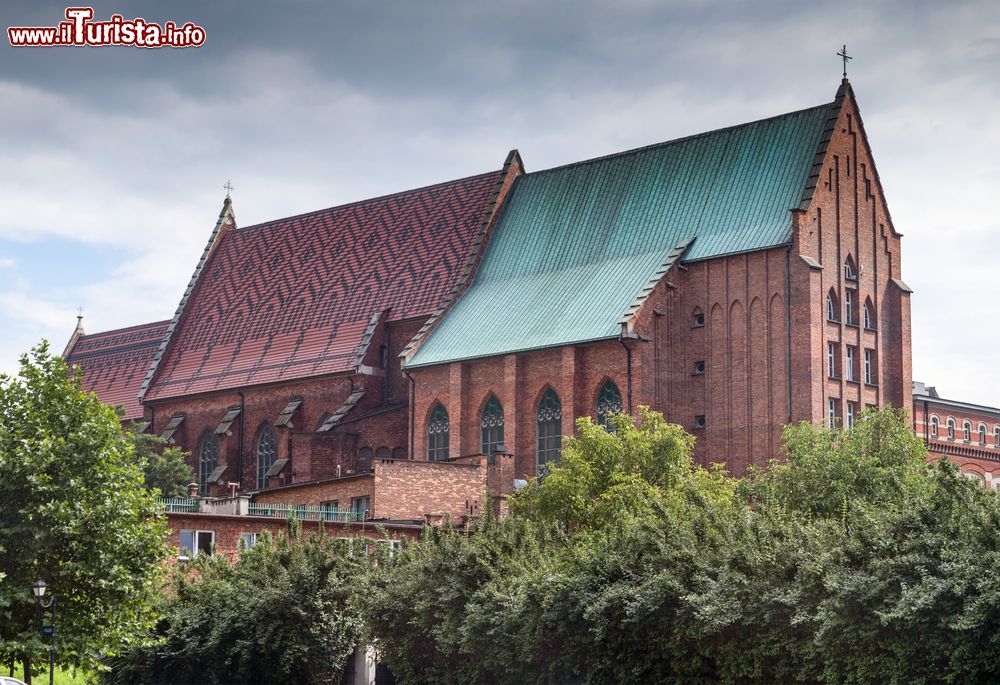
(851, 358)
(982, 434)
(996, 436)
(967, 431)
(935, 426)
(871, 377)
(831, 412)
(195, 542)
(850, 306)
(951, 428)
(831, 360)
(869, 310)
(248, 540)
(850, 271)
(850, 414)
(832, 306)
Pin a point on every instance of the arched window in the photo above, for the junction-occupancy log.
(208, 459)
(996, 436)
(832, 306)
(982, 434)
(935, 426)
(609, 401)
(267, 449)
(697, 318)
(437, 434)
(967, 431)
(869, 314)
(951, 428)
(850, 270)
(975, 476)
(549, 428)
(491, 424)
(364, 459)
(383, 453)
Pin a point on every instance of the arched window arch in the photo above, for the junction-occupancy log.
(437, 434)
(869, 314)
(935, 426)
(491, 425)
(996, 436)
(982, 434)
(850, 269)
(951, 428)
(549, 428)
(208, 459)
(266, 450)
(967, 431)
(364, 459)
(975, 476)
(609, 401)
(832, 306)
(383, 453)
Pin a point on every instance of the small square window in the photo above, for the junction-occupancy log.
(699, 421)
(698, 320)
(699, 368)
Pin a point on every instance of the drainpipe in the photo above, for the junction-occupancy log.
(628, 371)
(413, 408)
(788, 327)
(239, 452)
(927, 424)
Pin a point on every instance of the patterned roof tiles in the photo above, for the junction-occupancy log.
(115, 362)
(292, 298)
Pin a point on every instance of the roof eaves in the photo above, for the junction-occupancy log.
(227, 217)
(476, 251)
(673, 257)
(519, 350)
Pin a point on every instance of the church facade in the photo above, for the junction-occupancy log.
(396, 357)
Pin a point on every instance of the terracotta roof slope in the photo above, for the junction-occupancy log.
(292, 298)
(114, 363)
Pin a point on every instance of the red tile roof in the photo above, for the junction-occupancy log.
(114, 363)
(292, 298)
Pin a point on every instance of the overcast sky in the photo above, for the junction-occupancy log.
(112, 160)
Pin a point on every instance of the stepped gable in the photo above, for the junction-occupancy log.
(114, 363)
(292, 298)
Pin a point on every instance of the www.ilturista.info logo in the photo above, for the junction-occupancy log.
(80, 30)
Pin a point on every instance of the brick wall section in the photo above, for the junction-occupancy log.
(227, 529)
(410, 490)
(973, 456)
(341, 490)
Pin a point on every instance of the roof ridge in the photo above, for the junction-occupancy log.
(354, 203)
(682, 139)
(125, 329)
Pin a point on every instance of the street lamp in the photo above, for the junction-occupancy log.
(38, 589)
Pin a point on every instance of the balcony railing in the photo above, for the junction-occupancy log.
(304, 513)
(177, 505)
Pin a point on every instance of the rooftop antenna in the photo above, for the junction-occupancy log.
(844, 56)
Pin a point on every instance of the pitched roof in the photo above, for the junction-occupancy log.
(115, 362)
(295, 297)
(575, 245)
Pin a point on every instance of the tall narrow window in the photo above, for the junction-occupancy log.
(850, 271)
(982, 434)
(609, 401)
(870, 368)
(491, 424)
(935, 427)
(208, 459)
(437, 434)
(951, 428)
(549, 428)
(831, 360)
(869, 314)
(850, 306)
(851, 357)
(996, 436)
(832, 307)
(267, 448)
(850, 414)
(831, 412)
(967, 431)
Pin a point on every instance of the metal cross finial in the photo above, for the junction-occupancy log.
(844, 56)
(229, 188)
(79, 313)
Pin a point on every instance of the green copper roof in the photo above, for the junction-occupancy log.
(575, 246)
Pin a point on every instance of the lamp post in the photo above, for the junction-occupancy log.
(38, 589)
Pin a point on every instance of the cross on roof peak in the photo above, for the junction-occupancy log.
(229, 188)
(844, 56)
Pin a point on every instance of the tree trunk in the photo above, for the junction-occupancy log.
(26, 668)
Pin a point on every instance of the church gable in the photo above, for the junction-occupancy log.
(294, 298)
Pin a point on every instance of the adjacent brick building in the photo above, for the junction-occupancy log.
(968, 434)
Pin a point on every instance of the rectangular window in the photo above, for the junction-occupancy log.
(831, 360)
(850, 414)
(248, 540)
(871, 378)
(360, 506)
(331, 510)
(850, 359)
(850, 306)
(195, 542)
(831, 412)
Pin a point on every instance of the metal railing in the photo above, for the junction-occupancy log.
(178, 505)
(304, 513)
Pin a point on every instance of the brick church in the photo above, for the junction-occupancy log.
(394, 357)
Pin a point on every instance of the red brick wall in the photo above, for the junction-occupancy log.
(410, 490)
(316, 493)
(972, 456)
(227, 529)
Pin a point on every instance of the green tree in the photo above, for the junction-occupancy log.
(73, 511)
(165, 467)
(284, 612)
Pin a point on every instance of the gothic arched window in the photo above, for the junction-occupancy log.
(850, 270)
(267, 450)
(437, 434)
(491, 423)
(609, 401)
(549, 428)
(208, 459)
(832, 306)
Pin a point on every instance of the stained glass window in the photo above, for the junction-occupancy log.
(492, 425)
(609, 401)
(267, 449)
(549, 428)
(437, 434)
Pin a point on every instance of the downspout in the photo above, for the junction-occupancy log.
(628, 371)
(239, 452)
(788, 327)
(927, 423)
(385, 376)
(413, 408)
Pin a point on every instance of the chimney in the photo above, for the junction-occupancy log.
(192, 490)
